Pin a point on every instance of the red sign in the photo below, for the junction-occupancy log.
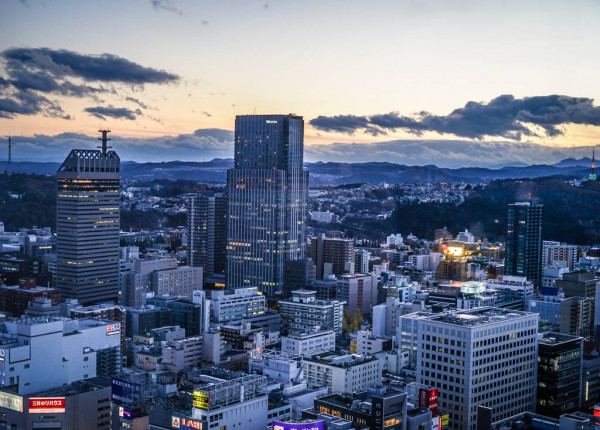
(46, 405)
(429, 399)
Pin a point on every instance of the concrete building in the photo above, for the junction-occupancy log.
(334, 250)
(308, 343)
(303, 312)
(278, 366)
(361, 261)
(136, 284)
(180, 281)
(517, 286)
(185, 312)
(268, 193)
(82, 405)
(87, 225)
(358, 291)
(241, 402)
(560, 364)
(16, 298)
(342, 374)
(207, 233)
(368, 344)
(373, 409)
(576, 316)
(557, 251)
(236, 304)
(484, 356)
(182, 354)
(42, 353)
(548, 309)
(580, 283)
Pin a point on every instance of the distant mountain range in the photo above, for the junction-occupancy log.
(332, 173)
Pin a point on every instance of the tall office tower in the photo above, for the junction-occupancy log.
(268, 192)
(87, 225)
(524, 241)
(482, 356)
(334, 250)
(207, 233)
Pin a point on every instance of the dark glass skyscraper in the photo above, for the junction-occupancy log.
(268, 192)
(87, 225)
(207, 233)
(524, 241)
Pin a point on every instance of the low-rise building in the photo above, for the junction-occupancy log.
(342, 373)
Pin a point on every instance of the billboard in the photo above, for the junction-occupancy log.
(46, 405)
(185, 423)
(201, 399)
(113, 329)
(125, 392)
(11, 401)
(312, 425)
(428, 398)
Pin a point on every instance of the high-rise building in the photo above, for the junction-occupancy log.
(483, 356)
(207, 233)
(560, 364)
(334, 250)
(87, 225)
(524, 241)
(268, 192)
(556, 251)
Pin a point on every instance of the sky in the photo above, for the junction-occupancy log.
(460, 83)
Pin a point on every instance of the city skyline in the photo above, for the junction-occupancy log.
(398, 81)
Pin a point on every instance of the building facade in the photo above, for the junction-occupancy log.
(303, 312)
(207, 233)
(524, 241)
(268, 192)
(484, 356)
(87, 225)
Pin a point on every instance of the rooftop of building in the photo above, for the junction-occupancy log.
(555, 338)
(479, 316)
(32, 290)
(341, 360)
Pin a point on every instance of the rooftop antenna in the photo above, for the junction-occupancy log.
(593, 176)
(104, 140)
(9, 151)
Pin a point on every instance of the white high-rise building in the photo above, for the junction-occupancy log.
(483, 356)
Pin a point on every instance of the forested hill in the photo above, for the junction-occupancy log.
(571, 214)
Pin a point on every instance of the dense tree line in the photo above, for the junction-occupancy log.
(570, 213)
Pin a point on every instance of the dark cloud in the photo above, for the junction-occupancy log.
(167, 5)
(137, 102)
(104, 67)
(504, 117)
(29, 103)
(34, 73)
(112, 112)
